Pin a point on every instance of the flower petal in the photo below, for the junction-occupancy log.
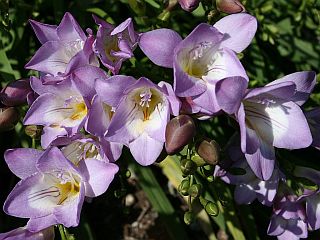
(313, 211)
(174, 102)
(49, 134)
(68, 213)
(230, 92)
(239, 30)
(260, 155)
(158, 45)
(304, 81)
(50, 58)
(98, 176)
(111, 90)
(276, 124)
(22, 161)
(243, 194)
(69, 30)
(145, 149)
(44, 32)
(38, 224)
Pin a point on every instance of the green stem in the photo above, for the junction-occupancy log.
(33, 143)
(62, 232)
(190, 198)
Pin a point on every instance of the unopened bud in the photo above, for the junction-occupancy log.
(198, 160)
(188, 167)
(189, 5)
(8, 118)
(212, 209)
(230, 6)
(15, 93)
(195, 190)
(184, 187)
(179, 132)
(33, 131)
(188, 217)
(209, 150)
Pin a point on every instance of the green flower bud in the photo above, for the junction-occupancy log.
(212, 209)
(195, 190)
(184, 187)
(197, 159)
(187, 166)
(210, 178)
(33, 131)
(209, 150)
(179, 132)
(188, 217)
(128, 173)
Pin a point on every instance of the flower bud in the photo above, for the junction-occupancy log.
(8, 118)
(188, 167)
(209, 150)
(230, 6)
(15, 93)
(197, 159)
(184, 187)
(212, 209)
(189, 5)
(179, 132)
(33, 131)
(188, 217)
(195, 190)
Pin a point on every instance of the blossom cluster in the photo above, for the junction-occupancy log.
(88, 115)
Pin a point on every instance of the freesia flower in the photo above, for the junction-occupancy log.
(114, 45)
(142, 110)
(64, 48)
(248, 186)
(207, 71)
(22, 233)
(189, 5)
(268, 118)
(61, 108)
(313, 118)
(289, 218)
(311, 196)
(52, 189)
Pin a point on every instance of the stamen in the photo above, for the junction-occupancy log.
(145, 98)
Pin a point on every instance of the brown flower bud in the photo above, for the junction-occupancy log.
(209, 150)
(15, 93)
(179, 132)
(189, 5)
(230, 6)
(8, 118)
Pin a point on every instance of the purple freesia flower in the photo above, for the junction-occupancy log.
(142, 110)
(64, 48)
(268, 117)
(16, 93)
(313, 118)
(22, 233)
(52, 189)
(312, 197)
(61, 108)
(206, 68)
(114, 45)
(289, 218)
(248, 186)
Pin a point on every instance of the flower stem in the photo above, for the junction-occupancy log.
(62, 232)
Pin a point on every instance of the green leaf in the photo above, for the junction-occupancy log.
(160, 202)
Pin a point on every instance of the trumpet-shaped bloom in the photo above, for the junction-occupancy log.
(64, 48)
(312, 197)
(268, 118)
(22, 233)
(142, 110)
(289, 218)
(61, 108)
(206, 68)
(52, 189)
(248, 186)
(114, 45)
